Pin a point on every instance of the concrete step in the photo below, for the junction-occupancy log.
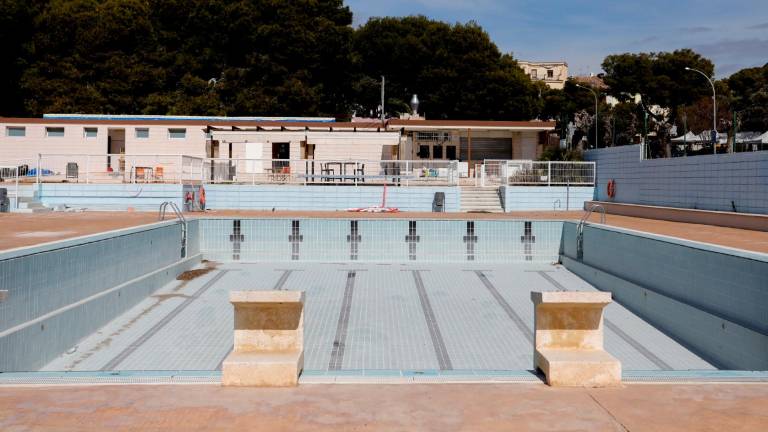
(32, 210)
(483, 210)
(30, 205)
(480, 199)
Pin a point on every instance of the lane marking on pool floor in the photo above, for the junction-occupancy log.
(434, 330)
(648, 354)
(519, 322)
(281, 281)
(115, 362)
(339, 341)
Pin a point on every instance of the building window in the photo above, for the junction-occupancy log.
(90, 132)
(12, 131)
(423, 152)
(534, 73)
(550, 73)
(142, 133)
(54, 131)
(177, 133)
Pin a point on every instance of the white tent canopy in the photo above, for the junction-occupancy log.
(704, 137)
(752, 137)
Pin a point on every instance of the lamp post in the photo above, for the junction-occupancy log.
(714, 106)
(596, 117)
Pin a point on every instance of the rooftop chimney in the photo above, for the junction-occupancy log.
(415, 105)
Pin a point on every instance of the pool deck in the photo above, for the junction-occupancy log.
(416, 407)
(18, 230)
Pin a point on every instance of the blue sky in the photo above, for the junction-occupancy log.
(732, 33)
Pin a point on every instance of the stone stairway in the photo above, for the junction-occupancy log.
(480, 199)
(28, 202)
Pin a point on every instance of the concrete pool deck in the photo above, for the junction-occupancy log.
(378, 318)
(446, 407)
(19, 230)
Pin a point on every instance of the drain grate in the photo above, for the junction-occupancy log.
(97, 378)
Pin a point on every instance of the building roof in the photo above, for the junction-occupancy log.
(152, 118)
(533, 62)
(224, 123)
(470, 124)
(591, 80)
(202, 122)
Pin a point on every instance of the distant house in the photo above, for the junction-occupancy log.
(553, 74)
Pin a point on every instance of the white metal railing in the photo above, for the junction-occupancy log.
(184, 169)
(330, 171)
(539, 173)
(9, 180)
(117, 168)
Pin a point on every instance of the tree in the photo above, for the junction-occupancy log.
(660, 78)
(269, 57)
(749, 90)
(456, 70)
(574, 105)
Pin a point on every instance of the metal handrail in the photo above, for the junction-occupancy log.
(580, 228)
(556, 204)
(180, 216)
(174, 207)
(588, 213)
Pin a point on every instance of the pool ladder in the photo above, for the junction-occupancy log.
(580, 228)
(180, 216)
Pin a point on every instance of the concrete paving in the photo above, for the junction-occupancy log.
(430, 407)
(366, 317)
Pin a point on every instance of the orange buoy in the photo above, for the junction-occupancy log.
(611, 188)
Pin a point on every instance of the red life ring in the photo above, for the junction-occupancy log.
(611, 188)
(201, 197)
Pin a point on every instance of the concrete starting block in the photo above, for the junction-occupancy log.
(269, 339)
(568, 341)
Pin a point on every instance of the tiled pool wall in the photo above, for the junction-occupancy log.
(557, 198)
(105, 197)
(60, 292)
(380, 240)
(148, 197)
(710, 298)
(285, 197)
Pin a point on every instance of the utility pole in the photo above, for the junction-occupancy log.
(382, 99)
(735, 129)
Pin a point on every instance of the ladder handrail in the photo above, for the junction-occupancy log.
(174, 207)
(181, 218)
(580, 227)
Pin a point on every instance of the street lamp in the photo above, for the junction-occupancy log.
(714, 107)
(596, 118)
(645, 121)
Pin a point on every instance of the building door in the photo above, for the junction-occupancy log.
(115, 149)
(280, 151)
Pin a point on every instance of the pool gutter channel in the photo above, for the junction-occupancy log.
(44, 379)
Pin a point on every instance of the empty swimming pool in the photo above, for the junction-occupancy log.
(382, 296)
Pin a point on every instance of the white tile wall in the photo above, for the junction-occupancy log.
(707, 182)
